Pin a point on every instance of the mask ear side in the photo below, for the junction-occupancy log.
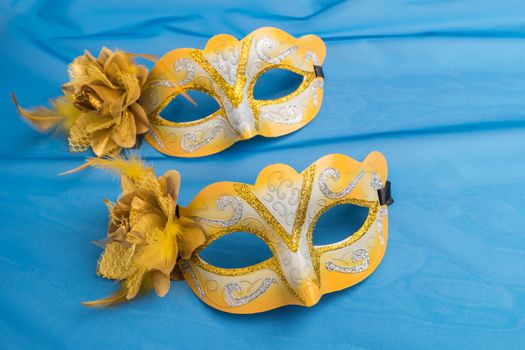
(220, 42)
(377, 161)
(316, 45)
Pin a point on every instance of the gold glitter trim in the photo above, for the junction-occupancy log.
(302, 208)
(256, 105)
(234, 93)
(271, 263)
(315, 252)
(292, 241)
(156, 118)
(245, 193)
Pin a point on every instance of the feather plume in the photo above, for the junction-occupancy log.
(118, 297)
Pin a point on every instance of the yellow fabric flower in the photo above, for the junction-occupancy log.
(145, 236)
(100, 107)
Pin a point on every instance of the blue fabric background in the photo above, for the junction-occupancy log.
(437, 86)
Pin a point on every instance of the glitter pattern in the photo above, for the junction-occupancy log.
(156, 138)
(180, 64)
(334, 174)
(189, 66)
(186, 268)
(163, 83)
(290, 114)
(267, 43)
(382, 212)
(222, 203)
(311, 56)
(375, 182)
(226, 62)
(233, 301)
(358, 255)
(318, 83)
(190, 142)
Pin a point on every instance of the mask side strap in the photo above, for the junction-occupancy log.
(385, 195)
(318, 70)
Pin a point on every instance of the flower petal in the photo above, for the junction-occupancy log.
(160, 253)
(191, 237)
(141, 119)
(171, 183)
(115, 261)
(125, 133)
(145, 224)
(103, 55)
(161, 283)
(102, 143)
(134, 282)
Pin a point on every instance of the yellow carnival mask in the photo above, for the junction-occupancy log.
(298, 273)
(227, 69)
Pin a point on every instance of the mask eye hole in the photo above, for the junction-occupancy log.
(236, 250)
(338, 223)
(276, 83)
(180, 110)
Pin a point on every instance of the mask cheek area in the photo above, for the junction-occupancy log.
(291, 111)
(236, 273)
(347, 262)
(184, 129)
(181, 110)
(236, 250)
(276, 83)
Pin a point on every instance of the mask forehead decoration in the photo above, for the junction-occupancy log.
(282, 209)
(227, 69)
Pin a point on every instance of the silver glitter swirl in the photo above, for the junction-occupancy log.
(222, 203)
(334, 174)
(311, 56)
(375, 182)
(226, 62)
(358, 255)
(163, 83)
(157, 139)
(190, 142)
(185, 267)
(189, 66)
(288, 115)
(318, 83)
(180, 64)
(267, 43)
(382, 212)
(233, 301)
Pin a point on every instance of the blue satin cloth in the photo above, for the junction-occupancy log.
(437, 86)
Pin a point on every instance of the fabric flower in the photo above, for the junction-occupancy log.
(145, 236)
(100, 107)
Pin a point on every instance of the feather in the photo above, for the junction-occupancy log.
(115, 298)
(133, 167)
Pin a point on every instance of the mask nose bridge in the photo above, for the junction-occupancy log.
(300, 275)
(239, 112)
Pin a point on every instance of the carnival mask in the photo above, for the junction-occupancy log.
(228, 69)
(111, 101)
(299, 272)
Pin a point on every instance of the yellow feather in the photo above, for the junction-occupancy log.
(115, 298)
(133, 167)
(62, 114)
